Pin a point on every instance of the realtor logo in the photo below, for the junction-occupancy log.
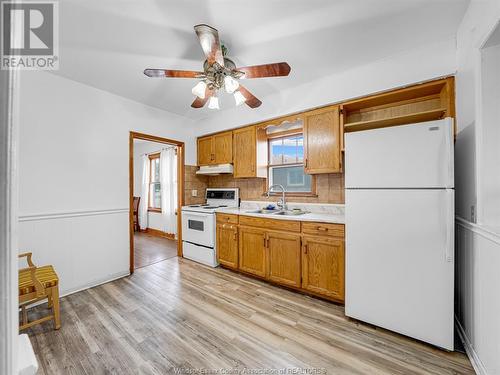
(30, 35)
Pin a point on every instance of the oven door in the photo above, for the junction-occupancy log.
(198, 228)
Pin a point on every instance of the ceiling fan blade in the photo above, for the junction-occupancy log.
(280, 69)
(210, 43)
(251, 100)
(200, 103)
(172, 73)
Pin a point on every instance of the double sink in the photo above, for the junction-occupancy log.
(276, 212)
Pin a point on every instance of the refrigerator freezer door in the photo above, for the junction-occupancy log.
(408, 156)
(399, 261)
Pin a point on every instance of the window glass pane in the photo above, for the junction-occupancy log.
(292, 178)
(289, 150)
(300, 149)
(155, 195)
(155, 165)
(276, 151)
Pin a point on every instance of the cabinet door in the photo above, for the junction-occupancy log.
(227, 245)
(223, 148)
(323, 266)
(205, 151)
(245, 152)
(283, 264)
(322, 142)
(252, 254)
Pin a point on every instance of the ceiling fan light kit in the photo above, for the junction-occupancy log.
(220, 72)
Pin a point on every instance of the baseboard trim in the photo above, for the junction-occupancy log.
(159, 233)
(476, 362)
(62, 215)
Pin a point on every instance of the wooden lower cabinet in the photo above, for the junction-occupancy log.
(283, 258)
(323, 266)
(252, 251)
(227, 245)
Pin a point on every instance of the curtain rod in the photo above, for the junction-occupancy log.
(163, 148)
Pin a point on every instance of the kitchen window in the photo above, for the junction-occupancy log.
(154, 183)
(286, 164)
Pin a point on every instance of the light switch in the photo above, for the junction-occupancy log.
(194, 193)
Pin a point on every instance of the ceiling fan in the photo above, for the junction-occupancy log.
(220, 72)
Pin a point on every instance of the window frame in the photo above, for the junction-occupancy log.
(151, 158)
(282, 135)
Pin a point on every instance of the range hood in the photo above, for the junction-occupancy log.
(213, 170)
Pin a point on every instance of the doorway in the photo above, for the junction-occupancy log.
(156, 186)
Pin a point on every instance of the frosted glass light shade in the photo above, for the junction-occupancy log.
(230, 84)
(199, 89)
(239, 98)
(213, 102)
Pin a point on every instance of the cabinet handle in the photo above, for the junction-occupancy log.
(235, 234)
(305, 249)
(323, 229)
(265, 242)
(305, 164)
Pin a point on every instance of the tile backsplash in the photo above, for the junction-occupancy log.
(194, 182)
(329, 188)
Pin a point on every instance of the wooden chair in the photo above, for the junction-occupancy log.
(136, 213)
(36, 284)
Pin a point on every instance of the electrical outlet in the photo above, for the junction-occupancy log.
(194, 193)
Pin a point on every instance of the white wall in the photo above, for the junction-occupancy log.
(419, 64)
(73, 175)
(478, 249)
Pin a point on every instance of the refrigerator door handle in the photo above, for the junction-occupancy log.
(448, 251)
(449, 141)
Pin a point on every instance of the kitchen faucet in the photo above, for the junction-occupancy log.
(282, 202)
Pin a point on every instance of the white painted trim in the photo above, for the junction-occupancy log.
(476, 362)
(63, 215)
(479, 229)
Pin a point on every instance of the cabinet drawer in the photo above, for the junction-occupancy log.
(271, 224)
(227, 218)
(324, 229)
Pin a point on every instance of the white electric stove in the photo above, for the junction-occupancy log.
(198, 225)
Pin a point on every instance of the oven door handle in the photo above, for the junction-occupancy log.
(199, 214)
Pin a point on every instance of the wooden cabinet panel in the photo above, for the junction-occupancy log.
(245, 152)
(323, 266)
(283, 263)
(322, 141)
(252, 251)
(275, 224)
(223, 148)
(227, 218)
(227, 245)
(324, 229)
(205, 151)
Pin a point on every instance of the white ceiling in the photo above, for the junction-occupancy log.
(108, 43)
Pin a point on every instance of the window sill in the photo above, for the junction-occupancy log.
(153, 209)
(293, 194)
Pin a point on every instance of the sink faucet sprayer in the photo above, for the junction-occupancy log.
(282, 202)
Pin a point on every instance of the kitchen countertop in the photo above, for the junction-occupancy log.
(311, 216)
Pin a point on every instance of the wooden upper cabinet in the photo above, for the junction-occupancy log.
(283, 263)
(250, 152)
(322, 141)
(323, 266)
(216, 149)
(227, 245)
(205, 151)
(252, 251)
(223, 147)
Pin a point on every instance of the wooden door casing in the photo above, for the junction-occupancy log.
(245, 152)
(227, 245)
(223, 148)
(323, 266)
(322, 142)
(252, 251)
(283, 258)
(205, 151)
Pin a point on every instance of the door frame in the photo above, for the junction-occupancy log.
(180, 187)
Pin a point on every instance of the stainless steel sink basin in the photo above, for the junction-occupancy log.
(290, 213)
(262, 211)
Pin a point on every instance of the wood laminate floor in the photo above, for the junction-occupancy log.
(150, 249)
(176, 315)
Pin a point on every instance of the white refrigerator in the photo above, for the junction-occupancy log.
(400, 229)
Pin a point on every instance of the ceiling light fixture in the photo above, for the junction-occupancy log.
(213, 102)
(230, 84)
(199, 89)
(239, 98)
